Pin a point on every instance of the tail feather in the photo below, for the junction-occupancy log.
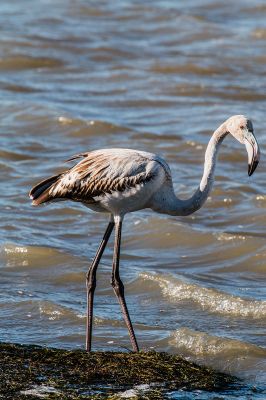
(40, 193)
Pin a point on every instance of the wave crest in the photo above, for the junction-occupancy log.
(208, 299)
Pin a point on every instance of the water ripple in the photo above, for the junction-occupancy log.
(211, 300)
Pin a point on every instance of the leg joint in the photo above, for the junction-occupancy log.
(117, 285)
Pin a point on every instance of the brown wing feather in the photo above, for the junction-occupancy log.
(76, 156)
(97, 174)
(39, 192)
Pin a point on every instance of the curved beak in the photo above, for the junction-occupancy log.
(253, 152)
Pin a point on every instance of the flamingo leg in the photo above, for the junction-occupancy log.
(118, 286)
(91, 282)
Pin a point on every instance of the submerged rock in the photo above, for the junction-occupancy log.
(31, 372)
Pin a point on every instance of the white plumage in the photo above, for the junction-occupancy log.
(119, 181)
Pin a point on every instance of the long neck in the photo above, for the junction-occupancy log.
(195, 202)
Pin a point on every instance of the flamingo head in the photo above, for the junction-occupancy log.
(242, 129)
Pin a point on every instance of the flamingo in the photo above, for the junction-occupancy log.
(118, 181)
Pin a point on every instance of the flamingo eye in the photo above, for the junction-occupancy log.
(242, 127)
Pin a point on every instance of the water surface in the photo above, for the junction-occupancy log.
(158, 76)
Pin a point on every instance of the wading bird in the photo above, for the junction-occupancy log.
(119, 181)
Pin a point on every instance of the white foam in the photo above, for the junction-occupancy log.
(208, 299)
(41, 391)
(9, 249)
(135, 391)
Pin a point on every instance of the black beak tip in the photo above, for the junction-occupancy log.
(252, 167)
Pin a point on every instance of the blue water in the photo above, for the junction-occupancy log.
(159, 76)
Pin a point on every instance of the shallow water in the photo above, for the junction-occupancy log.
(158, 76)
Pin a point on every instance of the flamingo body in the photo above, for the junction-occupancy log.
(119, 181)
(115, 181)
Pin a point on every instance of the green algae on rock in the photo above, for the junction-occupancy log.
(76, 374)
